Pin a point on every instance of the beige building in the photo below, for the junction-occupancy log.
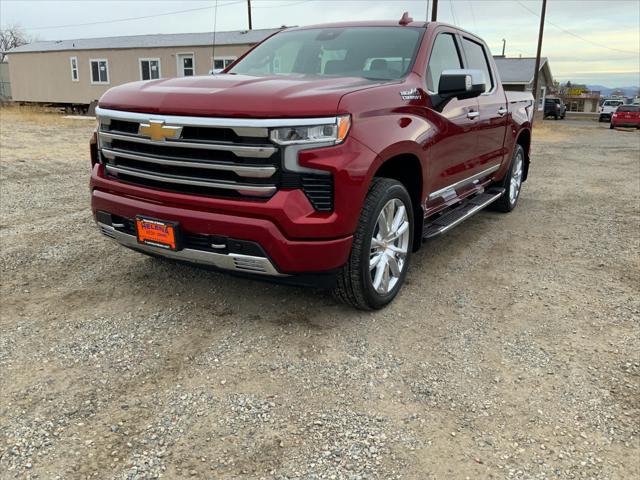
(80, 71)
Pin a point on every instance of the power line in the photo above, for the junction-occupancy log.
(102, 22)
(568, 32)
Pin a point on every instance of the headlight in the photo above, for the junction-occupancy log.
(330, 133)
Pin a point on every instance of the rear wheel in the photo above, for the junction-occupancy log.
(512, 182)
(611, 126)
(382, 244)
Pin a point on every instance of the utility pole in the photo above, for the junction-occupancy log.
(434, 11)
(249, 13)
(538, 53)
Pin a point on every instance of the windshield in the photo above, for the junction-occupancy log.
(379, 53)
(613, 103)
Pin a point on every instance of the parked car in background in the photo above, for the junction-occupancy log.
(554, 107)
(607, 109)
(326, 153)
(626, 116)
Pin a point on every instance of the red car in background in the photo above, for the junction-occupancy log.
(626, 116)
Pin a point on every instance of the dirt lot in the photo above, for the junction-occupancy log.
(512, 352)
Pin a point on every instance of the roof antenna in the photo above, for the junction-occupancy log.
(213, 49)
(406, 19)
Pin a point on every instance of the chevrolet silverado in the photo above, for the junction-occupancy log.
(326, 155)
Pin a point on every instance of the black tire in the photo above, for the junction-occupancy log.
(611, 126)
(504, 203)
(354, 286)
(555, 117)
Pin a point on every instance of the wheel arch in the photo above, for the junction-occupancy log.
(406, 168)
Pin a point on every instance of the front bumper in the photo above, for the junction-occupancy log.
(282, 255)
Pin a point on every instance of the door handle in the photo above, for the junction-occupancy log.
(502, 111)
(473, 115)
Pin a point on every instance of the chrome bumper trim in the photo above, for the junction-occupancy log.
(231, 261)
(255, 190)
(241, 170)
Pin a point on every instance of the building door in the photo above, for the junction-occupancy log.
(186, 65)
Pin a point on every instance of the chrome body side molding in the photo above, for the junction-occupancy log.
(443, 192)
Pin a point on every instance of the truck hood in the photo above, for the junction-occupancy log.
(236, 95)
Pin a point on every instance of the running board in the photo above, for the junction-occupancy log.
(458, 215)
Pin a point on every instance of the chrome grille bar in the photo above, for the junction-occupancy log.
(215, 122)
(240, 170)
(239, 150)
(255, 190)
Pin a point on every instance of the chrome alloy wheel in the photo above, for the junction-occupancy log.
(389, 246)
(516, 177)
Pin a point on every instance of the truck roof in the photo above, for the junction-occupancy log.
(382, 23)
(370, 23)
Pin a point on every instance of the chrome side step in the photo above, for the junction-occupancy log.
(458, 215)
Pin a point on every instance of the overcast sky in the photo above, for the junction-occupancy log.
(610, 56)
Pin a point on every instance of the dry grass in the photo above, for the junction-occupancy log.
(40, 115)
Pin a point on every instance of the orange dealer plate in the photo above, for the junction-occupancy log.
(157, 233)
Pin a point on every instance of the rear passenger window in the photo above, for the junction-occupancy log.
(444, 56)
(477, 60)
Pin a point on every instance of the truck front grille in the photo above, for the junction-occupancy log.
(201, 156)
(200, 160)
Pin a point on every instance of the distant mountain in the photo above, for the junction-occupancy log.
(605, 91)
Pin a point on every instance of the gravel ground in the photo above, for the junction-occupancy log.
(512, 351)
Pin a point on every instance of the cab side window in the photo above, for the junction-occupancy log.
(444, 56)
(477, 60)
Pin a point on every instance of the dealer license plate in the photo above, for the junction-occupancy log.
(157, 233)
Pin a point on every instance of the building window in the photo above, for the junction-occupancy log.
(99, 70)
(74, 69)
(186, 65)
(220, 63)
(149, 68)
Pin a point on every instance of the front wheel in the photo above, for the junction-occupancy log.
(381, 250)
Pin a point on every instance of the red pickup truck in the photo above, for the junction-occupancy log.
(326, 154)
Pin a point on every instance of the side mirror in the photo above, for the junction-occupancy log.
(461, 84)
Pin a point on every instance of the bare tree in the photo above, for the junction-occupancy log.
(11, 37)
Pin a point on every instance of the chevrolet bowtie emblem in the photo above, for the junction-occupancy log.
(157, 131)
